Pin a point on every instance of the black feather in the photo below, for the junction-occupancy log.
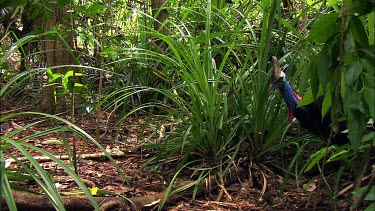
(310, 118)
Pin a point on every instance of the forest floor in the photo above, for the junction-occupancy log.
(242, 193)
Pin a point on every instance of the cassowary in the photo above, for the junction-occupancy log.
(309, 116)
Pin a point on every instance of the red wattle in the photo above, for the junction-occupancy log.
(299, 98)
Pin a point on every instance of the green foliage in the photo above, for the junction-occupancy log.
(360, 7)
(216, 92)
(208, 75)
(325, 28)
(346, 54)
(6, 3)
(369, 197)
(66, 80)
(200, 94)
(318, 156)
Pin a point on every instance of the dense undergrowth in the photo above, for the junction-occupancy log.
(205, 75)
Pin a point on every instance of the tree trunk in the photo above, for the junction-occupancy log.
(160, 14)
(56, 54)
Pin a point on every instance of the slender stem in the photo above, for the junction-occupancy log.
(365, 192)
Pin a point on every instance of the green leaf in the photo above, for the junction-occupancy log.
(350, 50)
(370, 195)
(370, 207)
(369, 95)
(314, 81)
(110, 51)
(52, 77)
(68, 83)
(46, 16)
(370, 137)
(34, 11)
(96, 9)
(371, 28)
(317, 156)
(14, 3)
(361, 7)
(62, 3)
(332, 2)
(352, 73)
(49, 73)
(327, 103)
(349, 57)
(309, 98)
(358, 31)
(323, 64)
(357, 125)
(369, 67)
(356, 101)
(68, 74)
(78, 85)
(324, 28)
(338, 155)
(369, 80)
(343, 86)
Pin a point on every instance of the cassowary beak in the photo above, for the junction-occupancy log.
(275, 76)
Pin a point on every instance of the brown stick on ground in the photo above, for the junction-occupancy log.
(66, 157)
(30, 202)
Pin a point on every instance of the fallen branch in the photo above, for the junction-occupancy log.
(351, 186)
(41, 159)
(30, 202)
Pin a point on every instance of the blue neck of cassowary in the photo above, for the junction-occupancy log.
(289, 95)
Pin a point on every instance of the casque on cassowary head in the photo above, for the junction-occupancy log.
(309, 116)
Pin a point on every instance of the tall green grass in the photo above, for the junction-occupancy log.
(218, 98)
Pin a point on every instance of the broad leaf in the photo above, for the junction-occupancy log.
(369, 95)
(314, 81)
(370, 196)
(352, 73)
(343, 86)
(309, 98)
(332, 2)
(358, 31)
(361, 7)
(68, 83)
(324, 28)
(357, 126)
(323, 64)
(370, 207)
(327, 103)
(354, 100)
(53, 76)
